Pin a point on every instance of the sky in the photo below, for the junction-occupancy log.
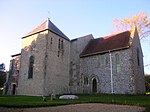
(75, 18)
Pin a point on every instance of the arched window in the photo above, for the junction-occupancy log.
(31, 65)
(86, 80)
(118, 68)
(102, 60)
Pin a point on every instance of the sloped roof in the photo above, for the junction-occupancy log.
(107, 43)
(47, 25)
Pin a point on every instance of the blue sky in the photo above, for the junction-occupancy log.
(74, 17)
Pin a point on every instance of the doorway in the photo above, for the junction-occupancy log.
(14, 89)
(94, 86)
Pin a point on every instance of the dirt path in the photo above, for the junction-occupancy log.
(94, 107)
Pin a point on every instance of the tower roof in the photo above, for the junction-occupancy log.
(47, 25)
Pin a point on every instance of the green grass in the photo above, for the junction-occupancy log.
(36, 101)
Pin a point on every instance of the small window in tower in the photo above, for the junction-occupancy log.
(59, 44)
(51, 40)
(62, 44)
(58, 54)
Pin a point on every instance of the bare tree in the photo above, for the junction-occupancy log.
(139, 20)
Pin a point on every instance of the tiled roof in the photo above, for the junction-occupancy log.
(47, 25)
(107, 43)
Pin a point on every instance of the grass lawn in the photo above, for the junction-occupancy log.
(36, 101)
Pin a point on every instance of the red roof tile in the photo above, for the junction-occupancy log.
(38, 29)
(107, 43)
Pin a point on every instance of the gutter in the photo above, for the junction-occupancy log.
(104, 51)
(26, 36)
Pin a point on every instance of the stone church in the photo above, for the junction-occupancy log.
(52, 63)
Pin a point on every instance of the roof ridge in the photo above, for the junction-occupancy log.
(115, 34)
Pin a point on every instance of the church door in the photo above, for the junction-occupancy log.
(94, 86)
(14, 89)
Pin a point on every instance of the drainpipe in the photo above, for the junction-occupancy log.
(111, 74)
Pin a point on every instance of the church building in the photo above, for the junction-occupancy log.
(52, 63)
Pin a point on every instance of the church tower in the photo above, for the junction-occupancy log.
(44, 61)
